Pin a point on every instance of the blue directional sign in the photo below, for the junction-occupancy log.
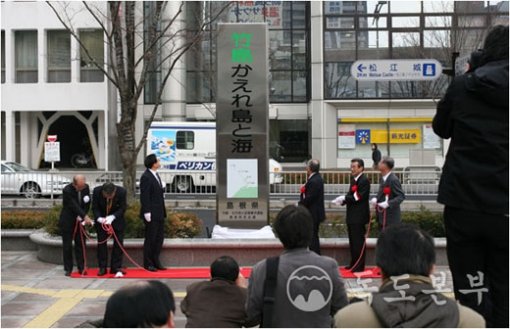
(395, 70)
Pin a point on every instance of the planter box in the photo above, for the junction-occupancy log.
(202, 252)
(17, 240)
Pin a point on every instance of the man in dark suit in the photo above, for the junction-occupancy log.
(76, 204)
(358, 213)
(153, 213)
(312, 197)
(109, 206)
(390, 195)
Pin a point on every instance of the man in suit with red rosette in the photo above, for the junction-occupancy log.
(312, 197)
(109, 205)
(153, 213)
(390, 195)
(358, 213)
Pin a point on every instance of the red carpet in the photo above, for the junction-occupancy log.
(170, 273)
(200, 273)
(372, 272)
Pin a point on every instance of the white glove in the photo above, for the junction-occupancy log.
(101, 220)
(79, 219)
(373, 201)
(383, 205)
(147, 217)
(109, 219)
(339, 200)
(119, 274)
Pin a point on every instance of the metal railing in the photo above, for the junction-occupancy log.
(415, 181)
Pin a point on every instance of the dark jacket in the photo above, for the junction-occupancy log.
(358, 211)
(214, 304)
(396, 197)
(385, 309)
(73, 206)
(152, 197)
(118, 206)
(474, 114)
(376, 156)
(313, 198)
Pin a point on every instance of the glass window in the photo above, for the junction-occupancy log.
(280, 86)
(299, 17)
(437, 6)
(405, 6)
(185, 140)
(338, 80)
(280, 49)
(377, 7)
(438, 21)
(436, 39)
(26, 56)
(472, 21)
(405, 39)
(59, 56)
(299, 86)
(340, 23)
(200, 87)
(405, 21)
(340, 40)
(92, 40)
(288, 140)
(3, 57)
(299, 50)
(373, 89)
(153, 78)
(372, 22)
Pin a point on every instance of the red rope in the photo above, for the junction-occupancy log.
(368, 234)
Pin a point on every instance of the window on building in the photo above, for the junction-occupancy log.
(59, 56)
(185, 140)
(288, 140)
(26, 59)
(93, 42)
(3, 56)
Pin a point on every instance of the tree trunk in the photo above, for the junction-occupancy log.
(127, 147)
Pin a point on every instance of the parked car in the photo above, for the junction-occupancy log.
(20, 180)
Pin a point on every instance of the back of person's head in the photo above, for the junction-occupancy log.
(293, 226)
(495, 47)
(226, 268)
(314, 165)
(405, 249)
(141, 304)
(150, 160)
(388, 162)
(475, 60)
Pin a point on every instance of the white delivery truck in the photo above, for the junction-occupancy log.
(187, 152)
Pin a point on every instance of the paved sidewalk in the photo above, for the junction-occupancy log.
(37, 294)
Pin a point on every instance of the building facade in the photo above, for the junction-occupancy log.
(317, 109)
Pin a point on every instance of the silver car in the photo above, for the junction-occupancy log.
(20, 180)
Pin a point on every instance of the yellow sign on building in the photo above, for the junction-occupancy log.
(397, 136)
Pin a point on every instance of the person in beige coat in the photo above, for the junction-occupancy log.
(407, 297)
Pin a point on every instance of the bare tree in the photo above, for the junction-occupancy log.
(131, 62)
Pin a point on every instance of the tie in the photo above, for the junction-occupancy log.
(79, 197)
(159, 179)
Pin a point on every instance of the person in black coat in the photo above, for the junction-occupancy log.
(376, 156)
(153, 213)
(358, 213)
(312, 197)
(474, 182)
(109, 206)
(76, 204)
(389, 196)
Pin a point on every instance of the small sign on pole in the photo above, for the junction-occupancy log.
(396, 70)
(52, 150)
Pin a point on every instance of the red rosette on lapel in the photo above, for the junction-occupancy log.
(354, 188)
(387, 190)
(302, 189)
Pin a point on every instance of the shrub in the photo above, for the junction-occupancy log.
(23, 219)
(178, 225)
